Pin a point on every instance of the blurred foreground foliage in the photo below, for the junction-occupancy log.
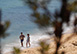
(44, 20)
(73, 6)
(45, 47)
(16, 50)
(3, 29)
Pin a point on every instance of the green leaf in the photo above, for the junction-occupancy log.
(7, 24)
(16, 50)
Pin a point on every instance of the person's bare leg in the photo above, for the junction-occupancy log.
(22, 44)
(26, 44)
(29, 44)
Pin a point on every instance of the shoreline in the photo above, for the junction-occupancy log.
(68, 46)
(34, 47)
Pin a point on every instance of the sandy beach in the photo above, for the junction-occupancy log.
(68, 45)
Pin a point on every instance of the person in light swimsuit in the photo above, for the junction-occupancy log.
(28, 40)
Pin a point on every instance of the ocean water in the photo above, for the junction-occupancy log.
(19, 18)
(21, 21)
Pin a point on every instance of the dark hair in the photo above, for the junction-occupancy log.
(28, 34)
(21, 32)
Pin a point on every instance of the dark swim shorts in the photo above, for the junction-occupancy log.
(21, 40)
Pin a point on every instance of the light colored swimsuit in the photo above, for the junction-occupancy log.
(28, 39)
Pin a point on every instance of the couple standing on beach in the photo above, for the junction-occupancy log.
(22, 39)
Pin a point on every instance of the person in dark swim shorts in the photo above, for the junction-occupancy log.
(28, 40)
(22, 38)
